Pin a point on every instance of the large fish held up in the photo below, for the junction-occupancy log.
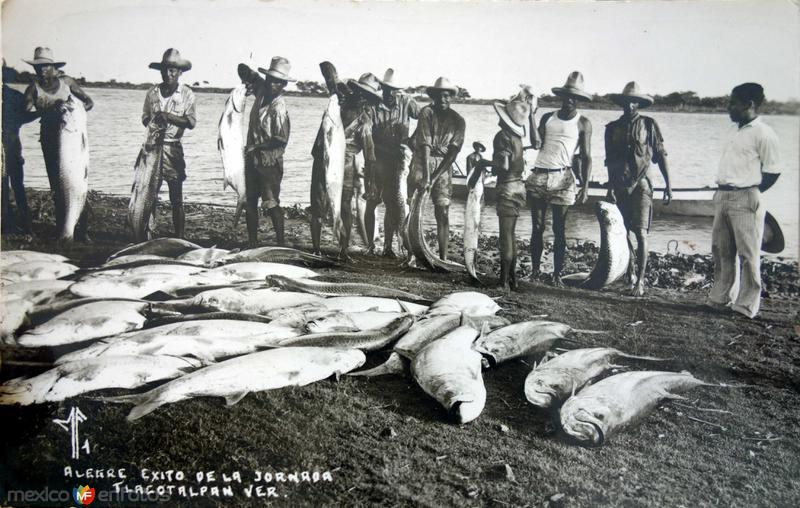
(619, 401)
(144, 191)
(614, 257)
(235, 378)
(419, 247)
(553, 381)
(449, 370)
(73, 164)
(472, 221)
(333, 147)
(230, 143)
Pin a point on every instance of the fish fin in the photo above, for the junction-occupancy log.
(403, 306)
(574, 386)
(643, 358)
(590, 332)
(673, 396)
(393, 365)
(618, 367)
(233, 398)
(133, 398)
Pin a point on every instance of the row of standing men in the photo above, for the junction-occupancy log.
(377, 118)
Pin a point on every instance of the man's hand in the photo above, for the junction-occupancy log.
(160, 118)
(583, 195)
(667, 196)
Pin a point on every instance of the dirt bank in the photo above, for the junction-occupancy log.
(383, 441)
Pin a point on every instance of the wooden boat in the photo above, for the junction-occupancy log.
(692, 201)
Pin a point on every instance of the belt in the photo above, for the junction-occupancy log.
(727, 187)
(550, 170)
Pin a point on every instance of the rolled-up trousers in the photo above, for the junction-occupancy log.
(736, 248)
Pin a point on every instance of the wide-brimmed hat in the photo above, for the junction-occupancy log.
(367, 83)
(279, 68)
(631, 93)
(477, 145)
(573, 87)
(389, 81)
(44, 56)
(514, 114)
(772, 241)
(171, 58)
(442, 84)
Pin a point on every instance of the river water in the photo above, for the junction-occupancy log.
(693, 142)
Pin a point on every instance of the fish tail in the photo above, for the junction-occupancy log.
(238, 213)
(393, 365)
(144, 409)
(590, 332)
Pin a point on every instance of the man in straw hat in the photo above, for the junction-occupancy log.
(437, 141)
(551, 182)
(43, 98)
(632, 142)
(748, 167)
(508, 164)
(169, 109)
(267, 137)
(476, 156)
(356, 101)
(390, 130)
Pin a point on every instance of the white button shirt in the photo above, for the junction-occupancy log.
(748, 151)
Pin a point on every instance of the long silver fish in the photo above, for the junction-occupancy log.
(35, 270)
(360, 203)
(136, 258)
(274, 254)
(230, 143)
(419, 247)
(38, 292)
(333, 155)
(203, 257)
(256, 270)
(351, 321)
(86, 322)
(73, 164)
(235, 378)
(253, 301)
(617, 402)
(401, 198)
(554, 380)
(472, 223)
(110, 284)
(71, 379)
(168, 247)
(206, 340)
(449, 370)
(9, 257)
(614, 257)
(471, 303)
(339, 288)
(144, 190)
(365, 340)
(522, 339)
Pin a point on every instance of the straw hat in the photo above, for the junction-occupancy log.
(573, 88)
(367, 83)
(772, 241)
(513, 114)
(44, 56)
(631, 93)
(279, 68)
(388, 80)
(171, 58)
(478, 146)
(442, 84)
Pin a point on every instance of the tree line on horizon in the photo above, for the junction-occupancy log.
(687, 101)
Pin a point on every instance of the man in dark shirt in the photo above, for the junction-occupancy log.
(632, 142)
(14, 116)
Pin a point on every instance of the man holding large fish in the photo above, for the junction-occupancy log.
(64, 143)
(437, 141)
(551, 182)
(632, 142)
(169, 109)
(267, 137)
(391, 126)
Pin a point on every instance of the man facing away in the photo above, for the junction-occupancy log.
(437, 141)
(748, 167)
(267, 137)
(390, 132)
(169, 109)
(551, 182)
(632, 142)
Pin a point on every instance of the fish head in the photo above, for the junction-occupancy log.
(276, 281)
(238, 96)
(585, 420)
(466, 411)
(608, 214)
(544, 389)
(67, 110)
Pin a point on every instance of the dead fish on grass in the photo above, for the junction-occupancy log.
(617, 402)
(471, 303)
(169, 247)
(340, 288)
(365, 340)
(524, 339)
(554, 380)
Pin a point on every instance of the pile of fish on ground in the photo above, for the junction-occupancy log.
(207, 321)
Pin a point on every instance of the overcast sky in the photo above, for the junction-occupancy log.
(486, 47)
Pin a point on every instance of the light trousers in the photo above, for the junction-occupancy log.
(736, 249)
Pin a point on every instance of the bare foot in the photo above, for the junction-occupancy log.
(344, 256)
(389, 253)
(557, 282)
(370, 250)
(637, 290)
(534, 276)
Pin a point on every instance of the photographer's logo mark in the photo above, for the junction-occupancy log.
(83, 494)
(70, 424)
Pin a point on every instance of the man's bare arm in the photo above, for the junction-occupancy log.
(585, 147)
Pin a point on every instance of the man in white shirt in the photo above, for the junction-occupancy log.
(749, 166)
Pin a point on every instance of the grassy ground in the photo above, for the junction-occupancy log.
(385, 442)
